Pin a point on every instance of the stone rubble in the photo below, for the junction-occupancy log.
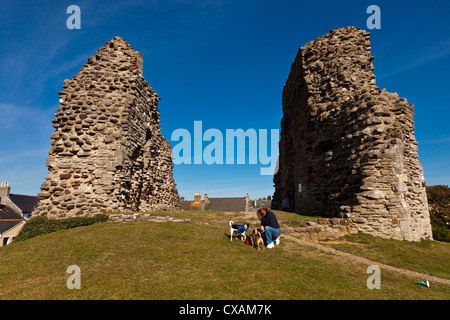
(323, 229)
(121, 217)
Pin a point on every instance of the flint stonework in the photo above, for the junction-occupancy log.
(347, 148)
(107, 152)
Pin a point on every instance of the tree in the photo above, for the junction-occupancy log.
(439, 207)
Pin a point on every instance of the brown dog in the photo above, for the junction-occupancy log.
(256, 239)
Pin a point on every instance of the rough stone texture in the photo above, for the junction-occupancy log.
(349, 144)
(107, 151)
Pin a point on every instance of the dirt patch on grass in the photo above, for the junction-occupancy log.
(367, 261)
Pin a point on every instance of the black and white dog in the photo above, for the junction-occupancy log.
(240, 229)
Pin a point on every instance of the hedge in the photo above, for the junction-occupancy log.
(441, 233)
(42, 225)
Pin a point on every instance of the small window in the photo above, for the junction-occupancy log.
(299, 187)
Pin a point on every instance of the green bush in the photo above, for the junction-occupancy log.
(439, 206)
(43, 225)
(441, 233)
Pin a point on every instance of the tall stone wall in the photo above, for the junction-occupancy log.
(107, 151)
(347, 148)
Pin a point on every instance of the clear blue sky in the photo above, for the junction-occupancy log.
(220, 62)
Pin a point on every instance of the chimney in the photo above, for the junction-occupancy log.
(4, 190)
(197, 197)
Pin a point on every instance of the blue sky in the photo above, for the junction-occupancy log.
(220, 62)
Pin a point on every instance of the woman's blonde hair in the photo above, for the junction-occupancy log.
(261, 213)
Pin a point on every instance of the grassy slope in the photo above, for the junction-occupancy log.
(146, 260)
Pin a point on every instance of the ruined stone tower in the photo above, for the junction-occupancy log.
(107, 151)
(347, 148)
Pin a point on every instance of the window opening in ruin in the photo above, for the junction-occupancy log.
(324, 146)
(148, 135)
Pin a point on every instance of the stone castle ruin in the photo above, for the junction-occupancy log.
(107, 152)
(347, 148)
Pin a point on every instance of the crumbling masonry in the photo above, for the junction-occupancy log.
(107, 151)
(347, 148)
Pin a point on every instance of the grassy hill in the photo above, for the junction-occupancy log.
(196, 260)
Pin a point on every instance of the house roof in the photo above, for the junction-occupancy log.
(226, 204)
(220, 204)
(8, 219)
(6, 213)
(25, 203)
(8, 225)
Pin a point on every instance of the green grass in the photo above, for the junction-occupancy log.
(196, 260)
(426, 256)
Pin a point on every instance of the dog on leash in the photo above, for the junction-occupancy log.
(239, 229)
(256, 240)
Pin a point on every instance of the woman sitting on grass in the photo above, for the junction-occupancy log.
(269, 226)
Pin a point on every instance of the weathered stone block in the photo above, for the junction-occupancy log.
(343, 141)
